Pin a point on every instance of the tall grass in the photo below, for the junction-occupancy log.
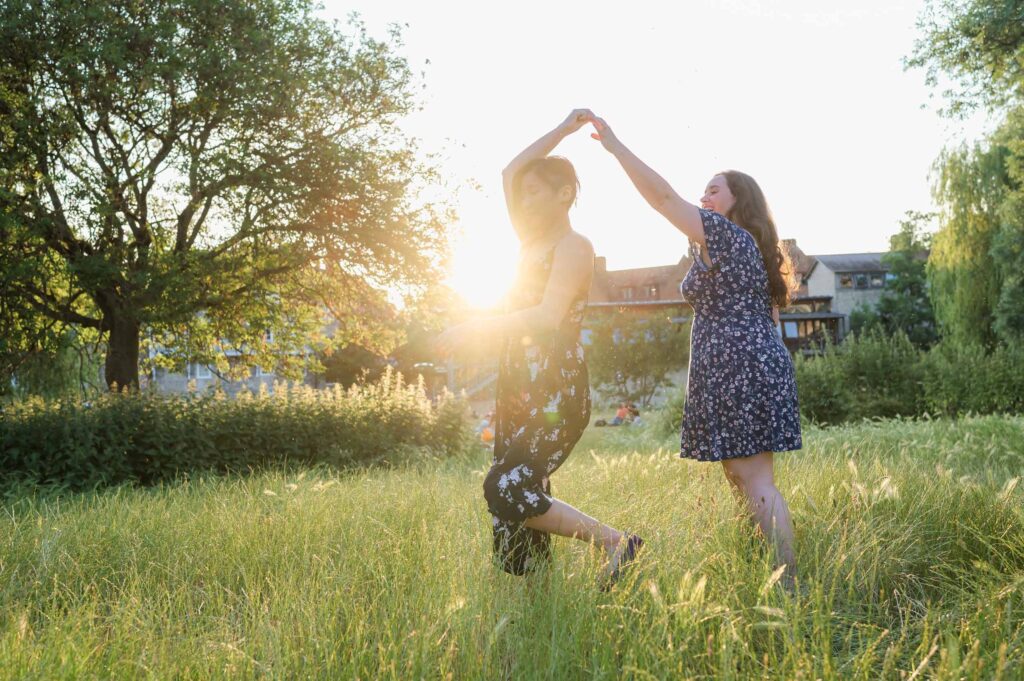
(910, 539)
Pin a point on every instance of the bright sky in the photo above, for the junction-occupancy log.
(808, 97)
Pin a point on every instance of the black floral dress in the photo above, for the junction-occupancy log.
(741, 394)
(542, 408)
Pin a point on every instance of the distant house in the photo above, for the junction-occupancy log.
(809, 318)
(830, 287)
(640, 289)
(202, 377)
(848, 281)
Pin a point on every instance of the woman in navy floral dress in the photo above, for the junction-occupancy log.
(543, 395)
(741, 399)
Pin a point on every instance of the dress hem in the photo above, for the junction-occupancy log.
(742, 455)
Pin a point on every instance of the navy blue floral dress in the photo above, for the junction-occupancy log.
(541, 410)
(741, 393)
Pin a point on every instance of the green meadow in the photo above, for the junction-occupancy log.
(910, 539)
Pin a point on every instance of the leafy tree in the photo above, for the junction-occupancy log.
(206, 176)
(905, 305)
(979, 45)
(978, 253)
(630, 355)
(976, 256)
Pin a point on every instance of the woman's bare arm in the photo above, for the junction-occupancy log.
(683, 215)
(571, 270)
(539, 149)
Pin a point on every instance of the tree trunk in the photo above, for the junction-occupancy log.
(122, 364)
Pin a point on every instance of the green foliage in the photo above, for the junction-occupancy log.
(978, 256)
(631, 355)
(979, 44)
(965, 286)
(879, 376)
(910, 549)
(147, 438)
(63, 367)
(197, 174)
(823, 392)
(882, 377)
(666, 420)
(963, 379)
(352, 364)
(905, 306)
(1008, 243)
(864, 318)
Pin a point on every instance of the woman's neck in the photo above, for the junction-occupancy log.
(549, 236)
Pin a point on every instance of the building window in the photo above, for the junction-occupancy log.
(845, 281)
(861, 280)
(652, 291)
(627, 293)
(196, 370)
(878, 280)
(789, 330)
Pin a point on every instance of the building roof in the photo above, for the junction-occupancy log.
(802, 263)
(676, 302)
(641, 276)
(795, 316)
(853, 262)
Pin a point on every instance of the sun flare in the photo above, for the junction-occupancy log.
(481, 273)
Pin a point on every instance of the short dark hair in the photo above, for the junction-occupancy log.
(555, 171)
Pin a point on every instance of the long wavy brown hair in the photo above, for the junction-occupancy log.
(752, 214)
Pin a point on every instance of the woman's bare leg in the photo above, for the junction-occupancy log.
(566, 521)
(754, 476)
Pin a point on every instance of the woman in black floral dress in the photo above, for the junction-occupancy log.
(543, 394)
(741, 400)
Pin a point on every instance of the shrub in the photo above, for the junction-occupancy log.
(146, 438)
(666, 420)
(883, 374)
(824, 393)
(880, 376)
(963, 378)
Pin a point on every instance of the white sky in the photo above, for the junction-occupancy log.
(808, 97)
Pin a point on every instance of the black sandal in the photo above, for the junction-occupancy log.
(629, 554)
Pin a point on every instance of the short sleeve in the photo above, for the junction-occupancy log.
(725, 241)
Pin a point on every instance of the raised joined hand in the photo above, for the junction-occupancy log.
(576, 120)
(604, 134)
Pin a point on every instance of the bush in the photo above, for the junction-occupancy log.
(146, 438)
(880, 376)
(884, 375)
(822, 387)
(667, 419)
(961, 379)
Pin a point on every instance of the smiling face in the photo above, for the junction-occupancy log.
(717, 196)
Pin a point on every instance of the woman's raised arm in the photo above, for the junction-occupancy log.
(539, 149)
(652, 186)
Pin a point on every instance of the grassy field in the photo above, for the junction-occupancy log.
(910, 538)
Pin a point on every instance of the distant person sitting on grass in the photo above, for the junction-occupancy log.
(634, 414)
(621, 415)
(486, 429)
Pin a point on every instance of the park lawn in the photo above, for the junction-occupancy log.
(910, 537)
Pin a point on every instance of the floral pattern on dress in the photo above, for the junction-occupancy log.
(541, 410)
(741, 396)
